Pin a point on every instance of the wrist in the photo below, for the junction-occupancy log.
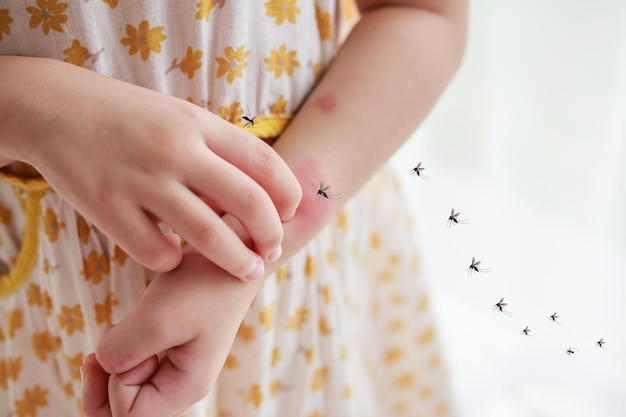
(28, 91)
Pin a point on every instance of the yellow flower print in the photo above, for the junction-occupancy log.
(49, 14)
(74, 363)
(245, 332)
(426, 393)
(143, 39)
(266, 317)
(320, 375)
(52, 226)
(393, 354)
(298, 319)
(83, 229)
(282, 273)
(309, 268)
(275, 387)
(47, 303)
(47, 268)
(2, 339)
(33, 295)
(104, 311)
(309, 355)
(44, 343)
(5, 21)
(323, 23)
(232, 113)
(255, 396)
(315, 414)
(9, 370)
(233, 64)
(231, 362)
(403, 381)
(279, 107)
(77, 54)
(326, 293)
(422, 303)
(72, 319)
(426, 337)
(324, 326)
(32, 400)
(316, 68)
(347, 392)
(205, 7)
(15, 321)
(281, 10)
(397, 325)
(189, 64)
(282, 61)
(375, 240)
(68, 389)
(94, 266)
(275, 356)
(119, 255)
(112, 3)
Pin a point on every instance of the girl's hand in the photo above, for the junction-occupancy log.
(151, 365)
(127, 157)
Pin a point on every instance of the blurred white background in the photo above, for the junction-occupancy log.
(529, 143)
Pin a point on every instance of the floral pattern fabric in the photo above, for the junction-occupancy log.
(343, 329)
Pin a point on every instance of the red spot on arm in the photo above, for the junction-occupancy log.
(326, 103)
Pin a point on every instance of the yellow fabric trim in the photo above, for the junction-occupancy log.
(28, 184)
(266, 128)
(26, 258)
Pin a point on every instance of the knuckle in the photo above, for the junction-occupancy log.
(157, 258)
(253, 200)
(208, 236)
(266, 160)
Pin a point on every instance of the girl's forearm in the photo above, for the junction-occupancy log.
(382, 84)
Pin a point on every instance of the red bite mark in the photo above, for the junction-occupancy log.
(326, 103)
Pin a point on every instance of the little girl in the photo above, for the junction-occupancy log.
(99, 151)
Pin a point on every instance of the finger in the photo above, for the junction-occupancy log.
(139, 236)
(125, 388)
(95, 391)
(259, 161)
(166, 391)
(191, 218)
(238, 194)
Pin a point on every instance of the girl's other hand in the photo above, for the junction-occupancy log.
(127, 157)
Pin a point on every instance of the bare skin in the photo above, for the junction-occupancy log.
(417, 45)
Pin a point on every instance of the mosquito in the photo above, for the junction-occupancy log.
(475, 268)
(250, 120)
(417, 171)
(601, 343)
(554, 318)
(323, 192)
(526, 332)
(453, 219)
(499, 306)
(570, 351)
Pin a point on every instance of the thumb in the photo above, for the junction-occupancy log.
(142, 334)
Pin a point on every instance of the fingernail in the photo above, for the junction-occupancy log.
(275, 254)
(257, 270)
(289, 216)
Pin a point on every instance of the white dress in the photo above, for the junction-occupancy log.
(342, 329)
